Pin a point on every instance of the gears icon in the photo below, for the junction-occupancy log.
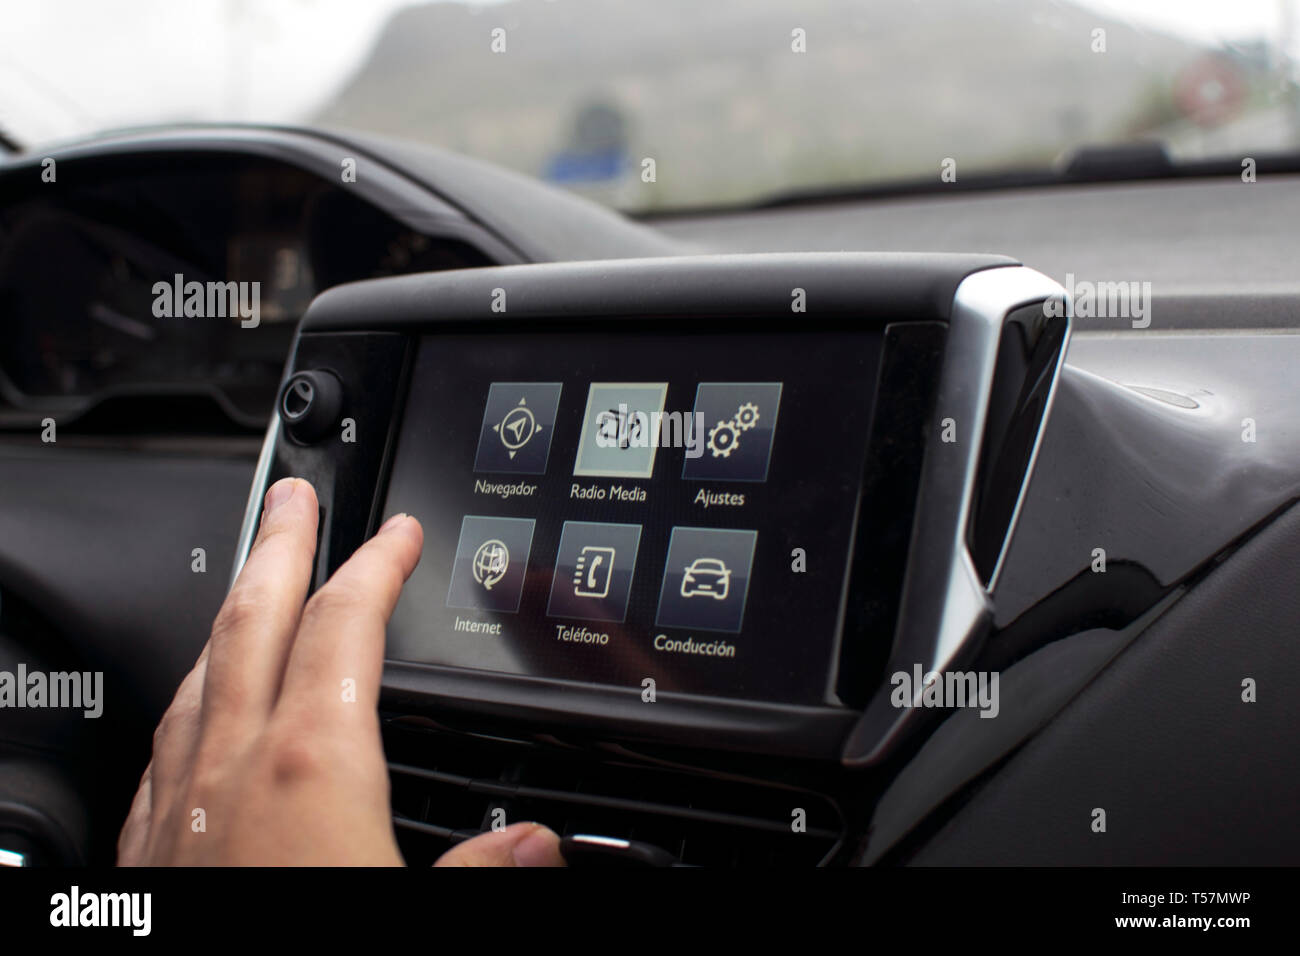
(746, 417)
(724, 438)
(736, 422)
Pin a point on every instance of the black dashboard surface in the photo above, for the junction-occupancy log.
(1219, 253)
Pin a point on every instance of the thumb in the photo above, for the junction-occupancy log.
(520, 844)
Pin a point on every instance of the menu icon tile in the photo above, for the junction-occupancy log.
(593, 570)
(518, 421)
(706, 579)
(619, 429)
(487, 571)
(739, 421)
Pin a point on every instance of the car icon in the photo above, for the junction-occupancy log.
(706, 577)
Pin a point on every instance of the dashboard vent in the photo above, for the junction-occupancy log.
(448, 786)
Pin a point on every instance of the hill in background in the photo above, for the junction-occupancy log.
(713, 92)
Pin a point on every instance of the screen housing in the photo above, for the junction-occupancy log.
(891, 292)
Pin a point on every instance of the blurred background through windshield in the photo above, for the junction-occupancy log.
(735, 101)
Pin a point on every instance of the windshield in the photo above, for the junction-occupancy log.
(675, 104)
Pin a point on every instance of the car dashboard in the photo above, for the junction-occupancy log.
(706, 521)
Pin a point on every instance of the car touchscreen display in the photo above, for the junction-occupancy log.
(629, 507)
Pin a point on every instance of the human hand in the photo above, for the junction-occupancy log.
(267, 754)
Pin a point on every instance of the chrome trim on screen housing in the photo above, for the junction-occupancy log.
(945, 607)
(253, 510)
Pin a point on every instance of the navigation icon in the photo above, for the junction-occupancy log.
(517, 423)
(518, 427)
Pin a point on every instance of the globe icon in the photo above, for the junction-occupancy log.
(490, 562)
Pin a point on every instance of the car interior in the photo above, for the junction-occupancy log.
(888, 518)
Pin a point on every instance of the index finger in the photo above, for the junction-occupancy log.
(254, 629)
(341, 634)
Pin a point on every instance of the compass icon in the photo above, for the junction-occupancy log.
(517, 428)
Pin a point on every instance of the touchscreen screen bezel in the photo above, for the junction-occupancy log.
(367, 332)
(784, 646)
